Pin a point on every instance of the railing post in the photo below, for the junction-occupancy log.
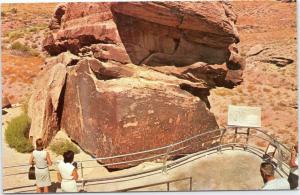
(191, 184)
(247, 138)
(279, 154)
(168, 186)
(221, 141)
(235, 137)
(164, 169)
(82, 180)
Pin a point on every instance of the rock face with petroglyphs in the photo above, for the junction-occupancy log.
(138, 76)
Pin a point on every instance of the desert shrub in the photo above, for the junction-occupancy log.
(33, 29)
(20, 47)
(243, 54)
(239, 90)
(15, 35)
(43, 25)
(25, 105)
(3, 14)
(34, 46)
(33, 52)
(36, 28)
(5, 40)
(62, 145)
(14, 10)
(267, 90)
(17, 46)
(5, 34)
(16, 134)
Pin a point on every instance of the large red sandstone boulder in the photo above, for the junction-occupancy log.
(134, 110)
(139, 75)
(152, 33)
(45, 103)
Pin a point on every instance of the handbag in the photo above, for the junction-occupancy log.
(293, 180)
(31, 173)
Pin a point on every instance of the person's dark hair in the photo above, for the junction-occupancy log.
(68, 156)
(39, 144)
(267, 169)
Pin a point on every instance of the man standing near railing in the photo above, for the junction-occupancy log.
(294, 175)
(271, 183)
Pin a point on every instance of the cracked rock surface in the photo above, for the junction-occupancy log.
(128, 77)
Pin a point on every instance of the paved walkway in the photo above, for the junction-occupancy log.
(231, 170)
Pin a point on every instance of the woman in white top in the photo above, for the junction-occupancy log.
(67, 174)
(41, 159)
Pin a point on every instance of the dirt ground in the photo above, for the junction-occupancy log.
(267, 83)
(26, 24)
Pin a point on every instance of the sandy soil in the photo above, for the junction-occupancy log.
(272, 24)
(26, 24)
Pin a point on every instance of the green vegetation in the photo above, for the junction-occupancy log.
(25, 105)
(34, 46)
(16, 134)
(20, 47)
(17, 46)
(62, 145)
(32, 29)
(34, 53)
(14, 10)
(14, 35)
(24, 32)
(36, 28)
(3, 14)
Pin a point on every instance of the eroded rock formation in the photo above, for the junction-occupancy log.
(5, 102)
(139, 75)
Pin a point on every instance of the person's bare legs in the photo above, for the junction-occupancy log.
(46, 189)
(38, 190)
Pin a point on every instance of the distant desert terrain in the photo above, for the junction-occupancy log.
(270, 77)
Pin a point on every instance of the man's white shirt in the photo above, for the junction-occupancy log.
(277, 184)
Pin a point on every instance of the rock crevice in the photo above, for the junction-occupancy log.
(138, 74)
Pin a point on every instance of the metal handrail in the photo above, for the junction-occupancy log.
(135, 153)
(259, 130)
(155, 149)
(220, 145)
(159, 183)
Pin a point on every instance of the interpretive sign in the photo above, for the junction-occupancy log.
(244, 116)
